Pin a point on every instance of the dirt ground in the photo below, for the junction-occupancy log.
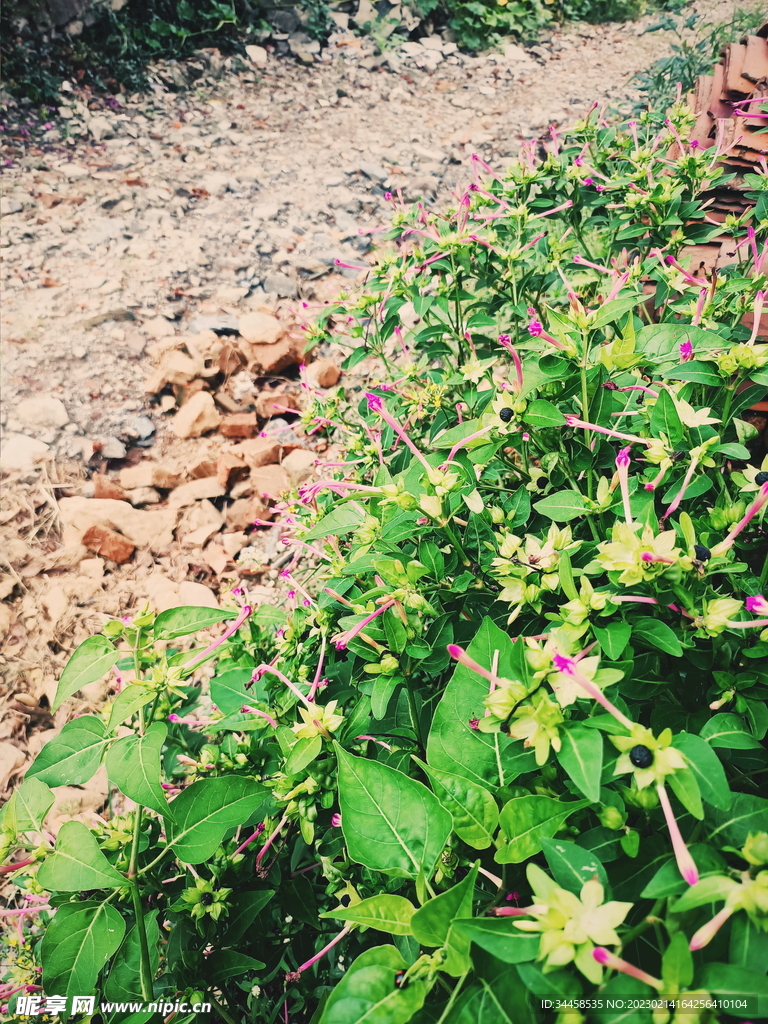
(136, 235)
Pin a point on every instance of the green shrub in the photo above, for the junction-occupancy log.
(498, 756)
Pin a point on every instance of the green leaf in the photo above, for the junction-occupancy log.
(244, 913)
(561, 506)
(228, 690)
(746, 814)
(489, 759)
(473, 810)
(554, 985)
(228, 963)
(572, 865)
(526, 820)
(677, 964)
(738, 983)
(614, 309)
(667, 880)
(665, 419)
(541, 413)
(391, 823)
(77, 863)
(178, 622)
(701, 373)
(431, 925)
(499, 937)
(204, 812)
(709, 890)
(733, 451)
(707, 767)
(367, 992)
(133, 764)
(749, 945)
(123, 982)
(27, 807)
(613, 638)
(77, 944)
(685, 787)
(383, 688)
(72, 757)
(728, 730)
(343, 519)
(303, 753)
(581, 756)
(128, 702)
(92, 660)
(662, 341)
(385, 913)
(656, 634)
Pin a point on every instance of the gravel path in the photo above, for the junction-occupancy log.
(240, 194)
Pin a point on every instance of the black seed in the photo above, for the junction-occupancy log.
(702, 553)
(641, 757)
(542, 482)
(206, 899)
(678, 456)
(761, 478)
(506, 415)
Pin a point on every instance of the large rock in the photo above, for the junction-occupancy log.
(144, 529)
(300, 465)
(261, 451)
(42, 412)
(260, 329)
(197, 416)
(147, 474)
(108, 543)
(21, 453)
(195, 490)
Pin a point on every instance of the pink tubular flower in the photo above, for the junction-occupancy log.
(685, 861)
(377, 405)
(570, 667)
(648, 556)
(658, 479)
(756, 506)
(536, 330)
(615, 963)
(672, 262)
(373, 739)
(336, 820)
(595, 266)
(460, 655)
(757, 604)
(699, 312)
(270, 841)
(622, 468)
(255, 835)
(464, 442)
(246, 709)
(707, 932)
(342, 640)
(535, 908)
(683, 488)
(757, 313)
(261, 670)
(505, 342)
(686, 351)
(295, 975)
(572, 420)
(228, 632)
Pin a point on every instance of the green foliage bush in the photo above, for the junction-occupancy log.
(500, 754)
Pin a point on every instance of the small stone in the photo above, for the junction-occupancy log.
(274, 358)
(261, 451)
(202, 466)
(257, 55)
(240, 424)
(103, 541)
(196, 595)
(299, 465)
(242, 513)
(274, 403)
(198, 416)
(280, 285)
(103, 487)
(195, 490)
(159, 327)
(270, 481)
(373, 171)
(325, 373)
(41, 412)
(113, 448)
(144, 496)
(92, 567)
(260, 329)
(233, 542)
(230, 469)
(9, 205)
(140, 427)
(144, 529)
(148, 474)
(19, 452)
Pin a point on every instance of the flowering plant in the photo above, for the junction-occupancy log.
(502, 749)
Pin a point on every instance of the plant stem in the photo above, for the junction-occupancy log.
(145, 969)
(449, 1006)
(224, 1014)
(456, 543)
